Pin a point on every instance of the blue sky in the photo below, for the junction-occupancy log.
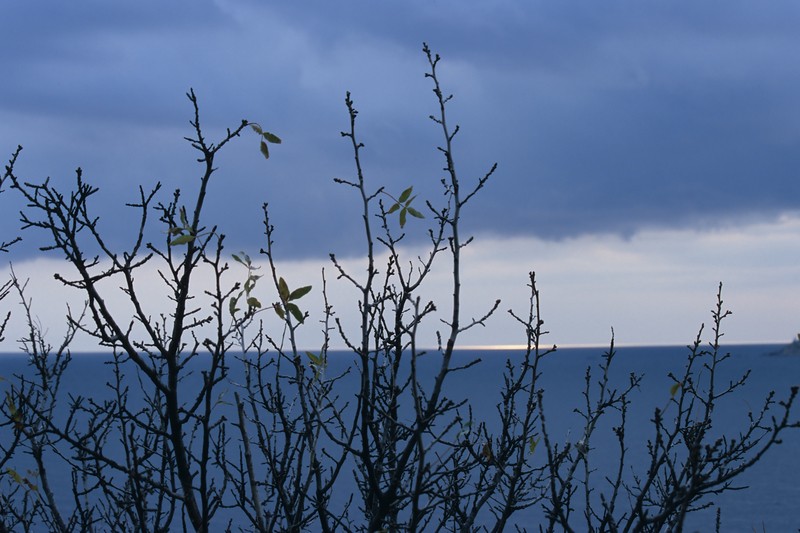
(622, 130)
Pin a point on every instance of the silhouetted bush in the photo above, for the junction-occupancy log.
(166, 449)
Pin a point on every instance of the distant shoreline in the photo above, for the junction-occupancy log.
(793, 348)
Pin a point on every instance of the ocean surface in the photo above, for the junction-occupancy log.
(771, 501)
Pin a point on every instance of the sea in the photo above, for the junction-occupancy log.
(769, 499)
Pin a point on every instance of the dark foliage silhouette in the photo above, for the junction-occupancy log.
(382, 446)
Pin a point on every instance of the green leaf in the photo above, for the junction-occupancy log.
(532, 444)
(232, 306)
(184, 220)
(16, 416)
(296, 313)
(237, 259)
(283, 290)
(279, 311)
(274, 139)
(253, 302)
(256, 128)
(403, 217)
(32, 486)
(175, 230)
(487, 452)
(299, 293)
(251, 281)
(12, 408)
(392, 209)
(405, 194)
(414, 213)
(264, 150)
(249, 285)
(465, 428)
(22, 480)
(317, 360)
(14, 475)
(183, 239)
(673, 390)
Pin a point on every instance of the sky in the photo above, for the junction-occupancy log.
(646, 150)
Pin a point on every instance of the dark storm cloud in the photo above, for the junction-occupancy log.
(81, 60)
(604, 117)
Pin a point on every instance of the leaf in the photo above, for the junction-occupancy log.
(249, 285)
(232, 306)
(414, 213)
(405, 194)
(184, 220)
(283, 290)
(317, 360)
(183, 239)
(274, 139)
(487, 452)
(403, 217)
(12, 409)
(14, 475)
(256, 128)
(673, 390)
(175, 230)
(16, 416)
(264, 150)
(21, 480)
(296, 313)
(299, 293)
(394, 208)
(465, 428)
(532, 444)
(237, 259)
(253, 302)
(279, 311)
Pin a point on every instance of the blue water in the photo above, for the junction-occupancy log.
(770, 503)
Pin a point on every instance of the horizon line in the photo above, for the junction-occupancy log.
(501, 347)
(491, 347)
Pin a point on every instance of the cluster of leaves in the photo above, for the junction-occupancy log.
(183, 234)
(25, 481)
(247, 288)
(288, 299)
(403, 205)
(318, 363)
(266, 137)
(15, 416)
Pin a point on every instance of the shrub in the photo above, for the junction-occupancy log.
(167, 449)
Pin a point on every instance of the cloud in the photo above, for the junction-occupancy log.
(606, 118)
(655, 288)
